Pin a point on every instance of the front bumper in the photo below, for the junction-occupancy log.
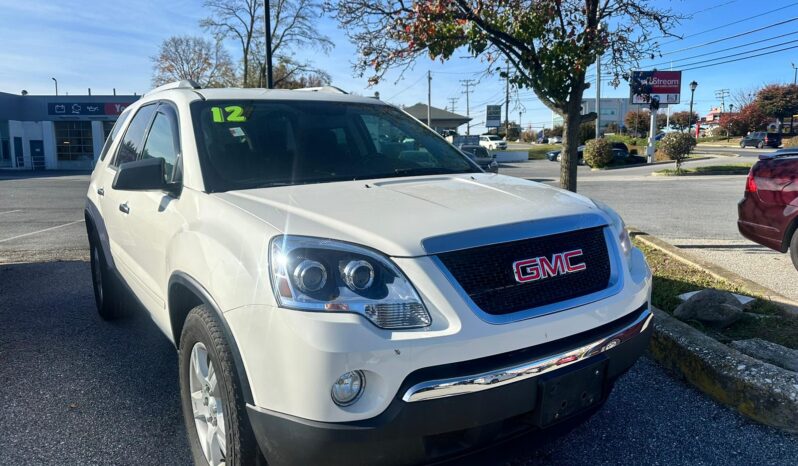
(443, 410)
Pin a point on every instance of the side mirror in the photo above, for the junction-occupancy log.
(141, 175)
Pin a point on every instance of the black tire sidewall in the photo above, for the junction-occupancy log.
(198, 328)
(794, 248)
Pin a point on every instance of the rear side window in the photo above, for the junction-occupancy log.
(120, 122)
(131, 144)
(162, 143)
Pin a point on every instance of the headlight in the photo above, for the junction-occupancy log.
(314, 274)
(618, 227)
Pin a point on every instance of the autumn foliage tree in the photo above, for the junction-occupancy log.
(749, 118)
(194, 58)
(682, 119)
(778, 101)
(637, 122)
(548, 44)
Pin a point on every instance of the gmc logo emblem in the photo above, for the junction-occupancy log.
(538, 268)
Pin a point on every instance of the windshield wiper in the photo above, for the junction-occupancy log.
(426, 171)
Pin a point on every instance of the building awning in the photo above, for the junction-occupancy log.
(440, 118)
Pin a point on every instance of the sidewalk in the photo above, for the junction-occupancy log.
(752, 261)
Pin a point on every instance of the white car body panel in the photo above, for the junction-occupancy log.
(221, 240)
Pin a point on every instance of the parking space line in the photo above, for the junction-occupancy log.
(41, 231)
(10, 211)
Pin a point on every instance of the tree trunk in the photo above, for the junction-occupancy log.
(570, 143)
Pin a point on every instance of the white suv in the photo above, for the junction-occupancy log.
(492, 142)
(345, 287)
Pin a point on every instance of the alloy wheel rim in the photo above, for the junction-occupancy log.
(206, 404)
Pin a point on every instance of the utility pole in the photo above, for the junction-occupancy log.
(56, 85)
(598, 96)
(267, 31)
(429, 98)
(721, 95)
(507, 103)
(467, 83)
(452, 100)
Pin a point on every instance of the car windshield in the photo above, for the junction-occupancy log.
(260, 143)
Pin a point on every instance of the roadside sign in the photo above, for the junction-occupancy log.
(493, 119)
(664, 86)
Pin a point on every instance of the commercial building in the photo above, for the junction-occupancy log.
(56, 132)
(613, 110)
(440, 119)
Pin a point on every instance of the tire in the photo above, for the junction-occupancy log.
(207, 370)
(760, 145)
(794, 249)
(107, 290)
(742, 144)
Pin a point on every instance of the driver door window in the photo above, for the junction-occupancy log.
(162, 142)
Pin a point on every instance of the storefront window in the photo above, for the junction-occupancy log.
(107, 127)
(73, 140)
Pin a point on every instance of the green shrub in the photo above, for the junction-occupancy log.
(598, 153)
(677, 146)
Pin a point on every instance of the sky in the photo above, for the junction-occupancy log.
(107, 44)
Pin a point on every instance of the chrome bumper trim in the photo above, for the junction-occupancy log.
(487, 380)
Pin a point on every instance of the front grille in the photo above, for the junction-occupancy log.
(486, 273)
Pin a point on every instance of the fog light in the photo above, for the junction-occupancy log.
(348, 388)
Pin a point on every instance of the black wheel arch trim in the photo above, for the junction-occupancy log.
(190, 283)
(95, 220)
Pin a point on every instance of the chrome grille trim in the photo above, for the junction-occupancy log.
(478, 382)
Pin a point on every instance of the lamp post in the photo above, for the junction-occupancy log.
(728, 125)
(693, 85)
(795, 73)
(56, 85)
(267, 33)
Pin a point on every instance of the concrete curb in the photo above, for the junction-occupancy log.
(638, 165)
(788, 306)
(758, 390)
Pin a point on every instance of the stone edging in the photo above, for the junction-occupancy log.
(788, 306)
(758, 390)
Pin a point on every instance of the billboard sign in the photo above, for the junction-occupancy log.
(85, 108)
(665, 86)
(493, 119)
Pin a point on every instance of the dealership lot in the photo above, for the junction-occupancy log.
(77, 389)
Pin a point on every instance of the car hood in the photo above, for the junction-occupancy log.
(405, 216)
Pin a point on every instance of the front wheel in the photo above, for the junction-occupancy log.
(213, 406)
(760, 145)
(107, 290)
(742, 144)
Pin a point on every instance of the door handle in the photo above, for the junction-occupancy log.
(124, 208)
(100, 192)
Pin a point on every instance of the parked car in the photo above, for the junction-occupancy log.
(760, 139)
(767, 213)
(481, 156)
(620, 152)
(337, 297)
(543, 140)
(492, 142)
(555, 140)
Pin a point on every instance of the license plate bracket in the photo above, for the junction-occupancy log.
(570, 391)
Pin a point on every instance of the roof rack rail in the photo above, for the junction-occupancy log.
(183, 84)
(330, 89)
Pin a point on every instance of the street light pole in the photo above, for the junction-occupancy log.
(728, 125)
(267, 31)
(56, 85)
(795, 74)
(693, 85)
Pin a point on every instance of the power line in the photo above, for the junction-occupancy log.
(405, 89)
(731, 37)
(740, 53)
(758, 15)
(727, 49)
(740, 59)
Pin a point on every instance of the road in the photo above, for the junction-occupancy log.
(78, 390)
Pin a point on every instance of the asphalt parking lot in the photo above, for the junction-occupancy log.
(78, 390)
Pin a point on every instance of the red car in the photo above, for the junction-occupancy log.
(768, 213)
